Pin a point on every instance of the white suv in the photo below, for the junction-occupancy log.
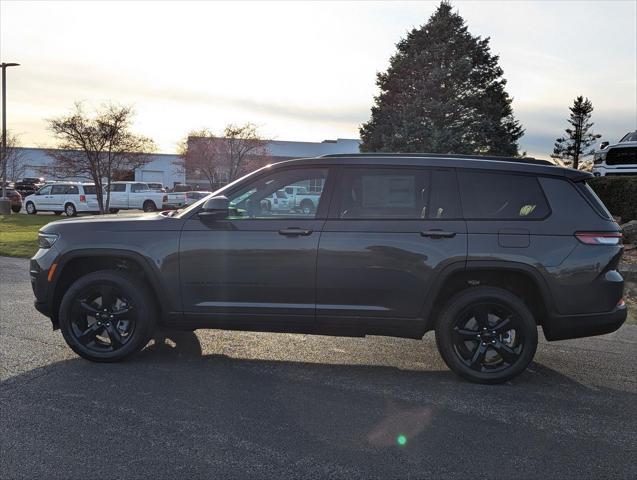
(67, 197)
(617, 159)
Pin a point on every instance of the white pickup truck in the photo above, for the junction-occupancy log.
(134, 195)
(300, 200)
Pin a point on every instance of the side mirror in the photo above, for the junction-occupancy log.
(603, 145)
(216, 207)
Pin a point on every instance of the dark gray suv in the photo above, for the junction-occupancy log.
(482, 250)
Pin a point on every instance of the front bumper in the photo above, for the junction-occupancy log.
(562, 327)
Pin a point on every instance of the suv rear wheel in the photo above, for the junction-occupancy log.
(107, 315)
(486, 335)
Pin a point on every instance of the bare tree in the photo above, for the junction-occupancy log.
(14, 157)
(223, 158)
(98, 147)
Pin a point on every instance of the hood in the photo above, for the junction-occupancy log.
(115, 223)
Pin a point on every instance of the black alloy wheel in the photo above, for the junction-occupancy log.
(103, 319)
(107, 315)
(487, 335)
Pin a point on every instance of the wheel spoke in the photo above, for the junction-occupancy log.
(108, 296)
(463, 334)
(123, 312)
(90, 333)
(506, 352)
(502, 325)
(478, 355)
(88, 308)
(481, 314)
(113, 334)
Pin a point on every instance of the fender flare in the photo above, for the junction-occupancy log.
(150, 270)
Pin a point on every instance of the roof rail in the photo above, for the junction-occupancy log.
(530, 160)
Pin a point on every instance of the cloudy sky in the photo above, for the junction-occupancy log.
(303, 70)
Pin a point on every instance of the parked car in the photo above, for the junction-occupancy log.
(483, 250)
(182, 199)
(617, 159)
(29, 185)
(134, 195)
(278, 202)
(15, 198)
(300, 199)
(63, 197)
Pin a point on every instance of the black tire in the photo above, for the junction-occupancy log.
(58, 213)
(30, 208)
(91, 331)
(70, 210)
(16, 208)
(307, 207)
(486, 335)
(149, 206)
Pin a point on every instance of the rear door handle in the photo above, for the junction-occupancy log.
(437, 234)
(295, 232)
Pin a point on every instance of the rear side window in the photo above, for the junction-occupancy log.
(118, 187)
(89, 189)
(72, 190)
(501, 196)
(590, 195)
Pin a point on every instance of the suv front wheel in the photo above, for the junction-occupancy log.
(107, 315)
(486, 335)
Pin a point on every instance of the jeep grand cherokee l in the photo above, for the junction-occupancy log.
(481, 250)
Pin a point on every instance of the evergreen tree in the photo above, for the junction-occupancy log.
(442, 93)
(578, 139)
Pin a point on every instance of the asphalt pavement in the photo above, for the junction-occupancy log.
(220, 405)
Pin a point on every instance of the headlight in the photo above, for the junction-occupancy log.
(46, 240)
(599, 157)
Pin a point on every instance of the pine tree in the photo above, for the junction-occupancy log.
(442, 93)
(579, 139)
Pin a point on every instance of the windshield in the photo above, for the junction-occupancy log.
(197, 204)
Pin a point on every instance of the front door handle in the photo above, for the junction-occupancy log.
(436, 233)
(295, 232)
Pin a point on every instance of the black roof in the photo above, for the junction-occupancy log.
(509, 164)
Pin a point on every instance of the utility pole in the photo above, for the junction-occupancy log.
(5, 203)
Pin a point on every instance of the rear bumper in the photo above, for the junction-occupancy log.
(562, 327)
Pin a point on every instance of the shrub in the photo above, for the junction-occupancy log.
(619, 194)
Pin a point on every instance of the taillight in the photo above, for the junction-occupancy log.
(83, 198)
(599, 238)
(165, 198)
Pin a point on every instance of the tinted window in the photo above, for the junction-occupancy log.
(89, 189)
(72, 190)
(501, 196)
(367, 193)
(59, 189)
(117, 187)
(255, 200)
(139, 187)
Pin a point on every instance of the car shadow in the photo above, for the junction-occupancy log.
(171, 409)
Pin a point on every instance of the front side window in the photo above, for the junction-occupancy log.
(501, 196)
(383, 193)
(59, 189)
(268, 197)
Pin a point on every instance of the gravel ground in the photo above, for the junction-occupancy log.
(253, 405)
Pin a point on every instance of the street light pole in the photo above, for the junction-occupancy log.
(5, 203)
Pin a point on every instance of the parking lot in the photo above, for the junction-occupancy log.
(246, 405)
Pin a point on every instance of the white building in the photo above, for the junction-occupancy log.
(166, 168)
